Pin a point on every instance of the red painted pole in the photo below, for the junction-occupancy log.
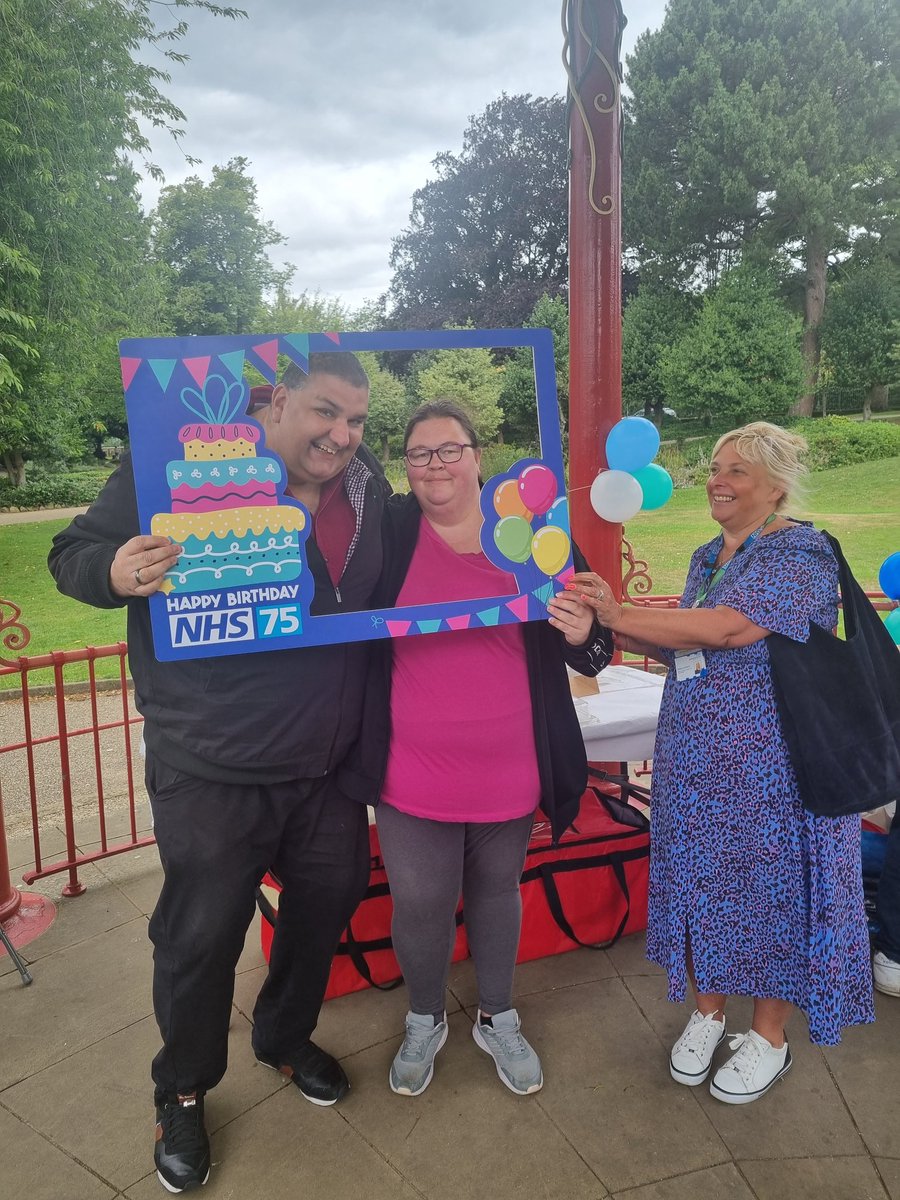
(10, 897)
(593, 31)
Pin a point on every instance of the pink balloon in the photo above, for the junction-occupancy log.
(537, 487)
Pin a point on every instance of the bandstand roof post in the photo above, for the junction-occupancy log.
(593, 32)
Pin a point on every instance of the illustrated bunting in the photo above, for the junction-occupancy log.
(198, 368)
(129, 367)
(490, 616)
(163, 369)
(233, 363)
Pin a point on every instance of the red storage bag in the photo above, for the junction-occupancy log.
(365, 955)
(591, 888)
(587, 891)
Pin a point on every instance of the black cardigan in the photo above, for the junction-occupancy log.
(562, 765)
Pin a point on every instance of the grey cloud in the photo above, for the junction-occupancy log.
(341, 107)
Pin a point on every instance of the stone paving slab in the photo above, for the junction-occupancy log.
(80, 996)
(853, 1178)
(34, 1168)
(714, 1183)
(76, 1107)
(118, 1069)
(467, 1133)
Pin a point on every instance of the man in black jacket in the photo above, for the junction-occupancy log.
(241, 752)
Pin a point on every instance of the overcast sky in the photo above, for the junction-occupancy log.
(341, 105)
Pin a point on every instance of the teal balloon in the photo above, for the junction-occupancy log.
(512, 537)
(656, 484)
(889, 576)
(558, 515)
(892, 625)
(632, 443)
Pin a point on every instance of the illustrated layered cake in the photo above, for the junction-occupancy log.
(225, 511)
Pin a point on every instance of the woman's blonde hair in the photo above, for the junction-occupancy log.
(775, 449)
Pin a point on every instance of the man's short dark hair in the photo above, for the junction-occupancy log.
(342, 365)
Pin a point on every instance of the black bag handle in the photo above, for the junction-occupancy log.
(358, 957)
(556, 909)
(620, 810)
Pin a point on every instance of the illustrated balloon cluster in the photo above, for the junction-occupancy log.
(889, 582)
(518, 501)
(634, 481)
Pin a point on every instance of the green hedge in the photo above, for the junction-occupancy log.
(833, 442)
(64, 489)
(840, 442)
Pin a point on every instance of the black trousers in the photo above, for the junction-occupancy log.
(887, 907)
(216, 841)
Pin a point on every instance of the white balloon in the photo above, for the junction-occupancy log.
(616, 496)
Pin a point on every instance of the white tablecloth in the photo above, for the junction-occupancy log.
(619, 723)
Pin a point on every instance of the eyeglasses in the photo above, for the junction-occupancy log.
(450, 452)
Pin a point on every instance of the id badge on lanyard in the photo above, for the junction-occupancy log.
(690, 664)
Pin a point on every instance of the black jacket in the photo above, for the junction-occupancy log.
(253, 718)
(562, 766)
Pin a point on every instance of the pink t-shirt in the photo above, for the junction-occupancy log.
(462, 743)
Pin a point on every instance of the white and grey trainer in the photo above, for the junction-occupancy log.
(413, 1065)
(517, 1064)
(750, 1072)
(692, 1054)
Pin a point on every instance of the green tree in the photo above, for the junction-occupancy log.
(488, 237)
(388, 405)
(214, 242)
(758, 127)
(471, 377)
(740, 360)
(655, 318)
(517, 398)
(308, 312)
(73, 97)
(860, 332)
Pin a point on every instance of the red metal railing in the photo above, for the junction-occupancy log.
(49, 782)
(55, 784)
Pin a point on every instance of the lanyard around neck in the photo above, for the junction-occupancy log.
(714, 573)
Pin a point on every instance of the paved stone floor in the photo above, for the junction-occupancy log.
(76, 1116)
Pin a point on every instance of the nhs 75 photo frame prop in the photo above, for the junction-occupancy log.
(205, 479)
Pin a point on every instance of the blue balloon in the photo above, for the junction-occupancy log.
(889, 576)
(632, 443)
(558, 515)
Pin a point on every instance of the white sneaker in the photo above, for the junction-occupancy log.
(886, 974)
(692, 1054)
(751, 1072)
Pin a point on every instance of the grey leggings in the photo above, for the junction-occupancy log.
(428, 864)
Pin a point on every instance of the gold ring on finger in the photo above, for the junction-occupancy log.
(137, 577)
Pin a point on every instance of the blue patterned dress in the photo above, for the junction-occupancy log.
(769, 895)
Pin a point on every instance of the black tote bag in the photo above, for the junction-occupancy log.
(839, 704)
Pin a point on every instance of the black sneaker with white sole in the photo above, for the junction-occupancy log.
(181, 1152)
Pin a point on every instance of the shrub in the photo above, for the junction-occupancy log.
(65, 490)
(840, 442)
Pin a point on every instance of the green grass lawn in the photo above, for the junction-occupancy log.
(55, 621)
(860, 505)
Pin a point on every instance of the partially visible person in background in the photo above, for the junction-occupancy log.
(886, 963)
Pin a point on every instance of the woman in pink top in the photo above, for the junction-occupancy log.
(481, 731)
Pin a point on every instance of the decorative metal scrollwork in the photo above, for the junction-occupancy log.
(579, 23)
(637, 576)
(14, 635)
